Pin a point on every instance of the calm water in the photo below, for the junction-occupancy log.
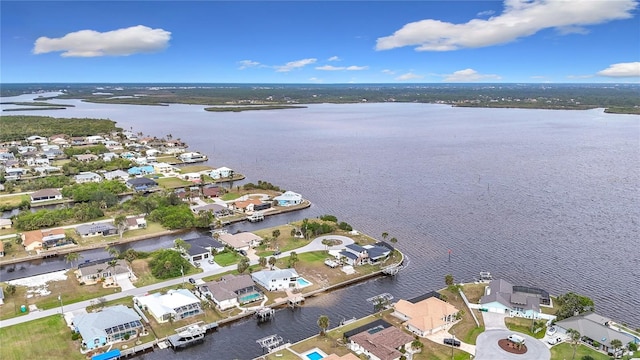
(541, 198)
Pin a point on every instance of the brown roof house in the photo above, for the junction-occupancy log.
(384, 344)
(42, 239)
(46, 195)
(425, 317)
(240, 241)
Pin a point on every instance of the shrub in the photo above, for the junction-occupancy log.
(75, 336)
(331, 218)
(344, 226)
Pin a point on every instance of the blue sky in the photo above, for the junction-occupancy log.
(575, 41)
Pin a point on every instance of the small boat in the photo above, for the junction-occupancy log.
(192, 334)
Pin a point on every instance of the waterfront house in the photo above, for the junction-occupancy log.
(231, 291)
(91, 272)
(116, 174)
(110, 325)
(246, 205)
(288, 198)
(215, 209)
(190, 157)
(595, 330)
(140, 184)
(5, 224)
(163, 168)
(383, 344)
(240, 241)
(96, 229)
(202, 248)
(503, 297)
(141, 170)
(42, 239)
(136, 222)
(94, 139)
(276, 280)
(193, 177)
(175, 304)
(45, 195)
(425, 317)
(210, 191)
(87, 176)
(221, 173)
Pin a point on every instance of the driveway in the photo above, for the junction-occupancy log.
(487, 347)
(441, 335)
(494, 321)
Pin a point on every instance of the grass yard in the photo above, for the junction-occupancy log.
(143, 273)
(53, 341)
(564, 351)
(466, 330)
(12, 200)
(473, 292)
(194, 168)
(172, 182)
(230, 196)
(524, 326)
(227, 258)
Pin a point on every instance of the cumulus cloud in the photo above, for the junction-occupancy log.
(520, 18)
(120, 42)
(409, 76)
(247, 64)
(469, 75)
(295, 65)
(630, 69)
(338, 68)
(333, 58)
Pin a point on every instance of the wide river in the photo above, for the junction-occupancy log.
(542, 198)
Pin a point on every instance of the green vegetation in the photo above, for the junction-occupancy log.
(18, 127)
(103, 191)
(227, 257)
(572, 303)
(262, 185)
(52, 336)
(250, 108)
(47, 182)
(565, 351)
(523, 325)
(167, 264)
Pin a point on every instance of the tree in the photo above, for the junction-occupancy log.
(115, 253)
(323, 324)
(632, 346)
(293, 232)
(393, 240)
(120, 222)
(616, 345)
(448, 279)
(72, 257)
(574, 338)
(111, 264)
(182, 245)
(276, 234)
(385, 235)
(7, 247)
(573, 304)
(417, 345)
(130, 255)
(293, 259)
(272, 261)
(243, 265)
(10, 289)
(262, 261)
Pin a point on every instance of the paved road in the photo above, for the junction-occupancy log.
(315, 245)
(487, 347)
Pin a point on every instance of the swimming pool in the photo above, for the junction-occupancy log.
(314, 355)
(249, 298)
(302, 282)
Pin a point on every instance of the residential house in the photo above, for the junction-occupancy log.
(109, 156)
(240, 241)
(87, 176)
(190, 157)
(136, 222)
(116, 174)
(86, 157)
(163, 168)
(53, 154)
(503, 297)
(60, 141)
(193, 177)
(90, 272)
(42, 239)
(141, 170)
(110, 325)
(221, 173)
(77, 140)
(276, 280)
(46, 169)
(595, 330)
(288, 198)
(5, 224)
(113, 145)
(94, 139)
(140, 184)
(425, 317)
(45, 195)
(246, 205)
(175, 304)
(14, 173)
(96, 229)
(210, 191)
(355, 254)
(231, 291)
(383, 344)
(202, 248)
(215, 209)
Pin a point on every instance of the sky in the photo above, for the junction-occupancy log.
(326, 42)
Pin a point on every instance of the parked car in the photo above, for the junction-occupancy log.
(451, 341)
(517, 339)
(554, 340)
(277, 252)
(242, 252)
(211, 261)
(192, 280)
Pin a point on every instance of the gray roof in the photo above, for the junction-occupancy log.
(501, 291)
(377, 251)
(45, 193)
(588, 326)
(206, 242)
(228, 285)
(141, 181)
(94, 325)
(92, 267)
(94, 228)
(196, 249)
(349, 255)
(356, 247)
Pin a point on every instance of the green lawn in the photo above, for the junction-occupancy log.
(564, 351)
(172, 182)
(524, 326)
(230, 196)
(227, 258)
(195, 168)
(47, 338)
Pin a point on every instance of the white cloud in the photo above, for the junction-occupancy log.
(486, 13)
(631, 69)
(295, 65)
(388, 72)
(247, 64)
(409, 76)
(120, 42)
(315, 79)
(520, 18)
(333, 58)
(338, 68)
(469, 75)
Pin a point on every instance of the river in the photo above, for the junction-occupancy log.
(542, 198)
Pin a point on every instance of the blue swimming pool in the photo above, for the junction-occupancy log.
(303, 282)
(314, 356)
(249, 298)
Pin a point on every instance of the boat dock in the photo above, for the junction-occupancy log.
(187, 336)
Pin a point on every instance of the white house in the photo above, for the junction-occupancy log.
(87, 176)
(175, 304)
(503, 297)
(190, 157)
(231, 291)
(221, 173)
(275, 280)
(116, 174)
(289, 198)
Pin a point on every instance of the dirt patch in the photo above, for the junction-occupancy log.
(511, 347)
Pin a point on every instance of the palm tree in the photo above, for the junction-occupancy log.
(115, 253)
(262, 261)
(574, 337)
(111, 264)
(272, 261)
(616, 344)
(293, 259)
(393, 240)
(448, 279)
(243, 265)
(71, 257)
(417, 345)
(323, 323)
